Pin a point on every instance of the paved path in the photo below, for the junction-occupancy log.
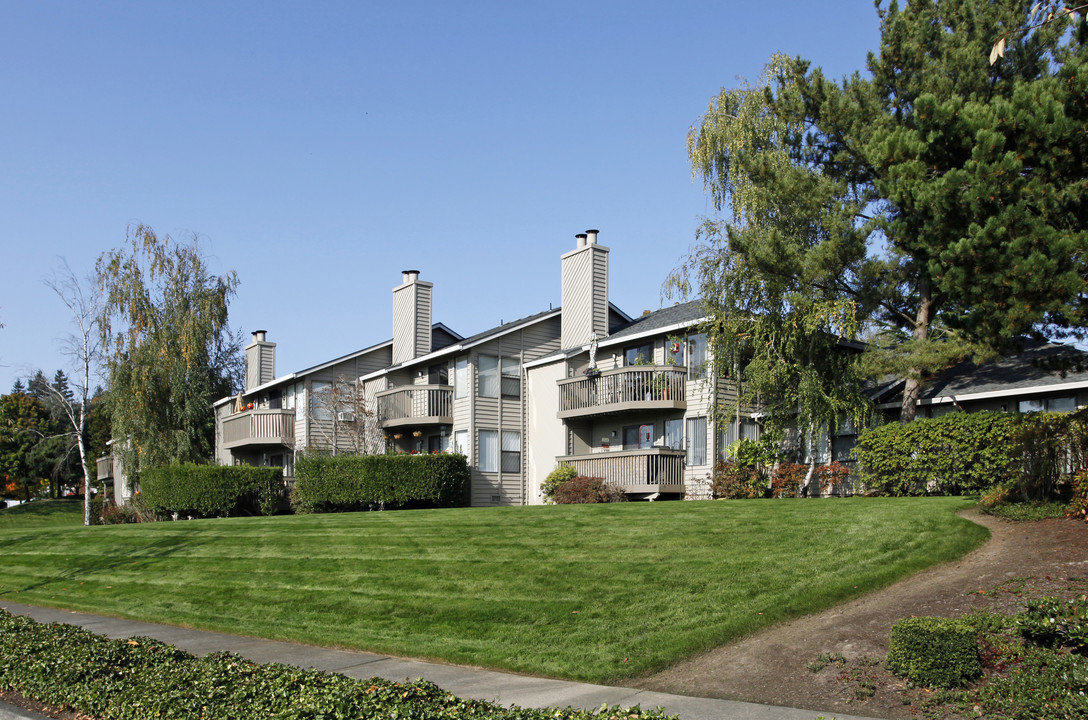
(498, 687)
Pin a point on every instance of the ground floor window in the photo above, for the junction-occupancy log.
(488, 442)
(460, 443)
(697, 441)
(511, 451)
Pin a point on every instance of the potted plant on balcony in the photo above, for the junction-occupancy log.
(592, 372)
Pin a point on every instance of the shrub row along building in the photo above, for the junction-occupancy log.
(626, 399)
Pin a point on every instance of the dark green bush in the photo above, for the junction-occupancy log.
(340, 483)
(212, 490)
(934, 652)
(138, 678)
(583, 490)
(734, 480)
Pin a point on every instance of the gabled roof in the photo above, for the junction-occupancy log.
(668, 318)
(1037, 368)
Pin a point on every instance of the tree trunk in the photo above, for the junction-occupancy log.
(913, 385)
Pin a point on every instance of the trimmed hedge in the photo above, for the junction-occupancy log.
(212, 490)
(340, 483)
(935, 652)
(137, 678)
(954, 454)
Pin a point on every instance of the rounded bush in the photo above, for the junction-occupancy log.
(934, 652)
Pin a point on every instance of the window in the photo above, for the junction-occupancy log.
(460, 443)
(674, 434)
(639, 354)
(461, 378)
(438, 374)
(289, 398)
(842, 444)
(697, 356)
(511, 451)
(321, 391)
(511, 378)
(638, 437)
(275, 399)
(737, 429)
(487, 376)
(489, 451)
(1067, 403)
(674, 352)
(697, 441)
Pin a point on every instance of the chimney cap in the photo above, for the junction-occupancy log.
(259, 334)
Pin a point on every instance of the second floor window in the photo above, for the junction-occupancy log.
(461, 378)
(487, 376)
(511, 378)
(697, 356)
(639, 354)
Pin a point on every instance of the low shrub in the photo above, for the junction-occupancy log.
(584, 489)
(1055, 622)
(342, 483)
(833, 478)
(733, 480)
(1078, 504)
(786, 479)
(934, 652)
(137, 678)
(562, 474)
(212, 490)
(114, 514)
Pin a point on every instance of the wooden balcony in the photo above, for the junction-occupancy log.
(636, 471)
(259, 427)
(105, 468)
(415, 405)
(636, 388)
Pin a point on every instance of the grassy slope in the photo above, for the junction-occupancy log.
(41, 513)
(590, 592)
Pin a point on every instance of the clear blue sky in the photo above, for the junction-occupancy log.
(319, 148)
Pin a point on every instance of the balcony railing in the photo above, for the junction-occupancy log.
(259, 427)
(636, 471)
(105, 467)
(416, 405)
(640, 387)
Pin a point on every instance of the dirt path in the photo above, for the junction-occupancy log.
(772, 666)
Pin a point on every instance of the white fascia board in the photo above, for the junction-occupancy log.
(650, 333)
(270, 383)
(1032, 390)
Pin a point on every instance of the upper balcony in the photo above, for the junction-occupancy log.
(634, 388)
(259, 427)
(414, 405)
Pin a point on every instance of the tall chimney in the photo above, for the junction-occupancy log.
(260, 361)
(411, 317)
(585, 291)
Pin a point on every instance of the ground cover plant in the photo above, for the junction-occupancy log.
(130, 679)
(593, 592)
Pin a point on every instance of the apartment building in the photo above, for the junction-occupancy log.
(623, 398)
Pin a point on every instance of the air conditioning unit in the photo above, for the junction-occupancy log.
(345, 416)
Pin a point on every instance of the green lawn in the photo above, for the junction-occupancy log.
(591, 592)
(42, 513)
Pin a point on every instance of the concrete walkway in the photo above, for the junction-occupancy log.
(498, 687)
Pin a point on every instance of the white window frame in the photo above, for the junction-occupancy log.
(487, 376)
(488, 456)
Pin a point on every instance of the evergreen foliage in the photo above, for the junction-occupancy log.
(212, 490)
(340, 483)
(935, 652)
(935, 207)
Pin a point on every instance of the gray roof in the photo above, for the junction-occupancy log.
(1038, 364)
(681, 313)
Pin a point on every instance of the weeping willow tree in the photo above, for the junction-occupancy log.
(170, 352)
(778, 272)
